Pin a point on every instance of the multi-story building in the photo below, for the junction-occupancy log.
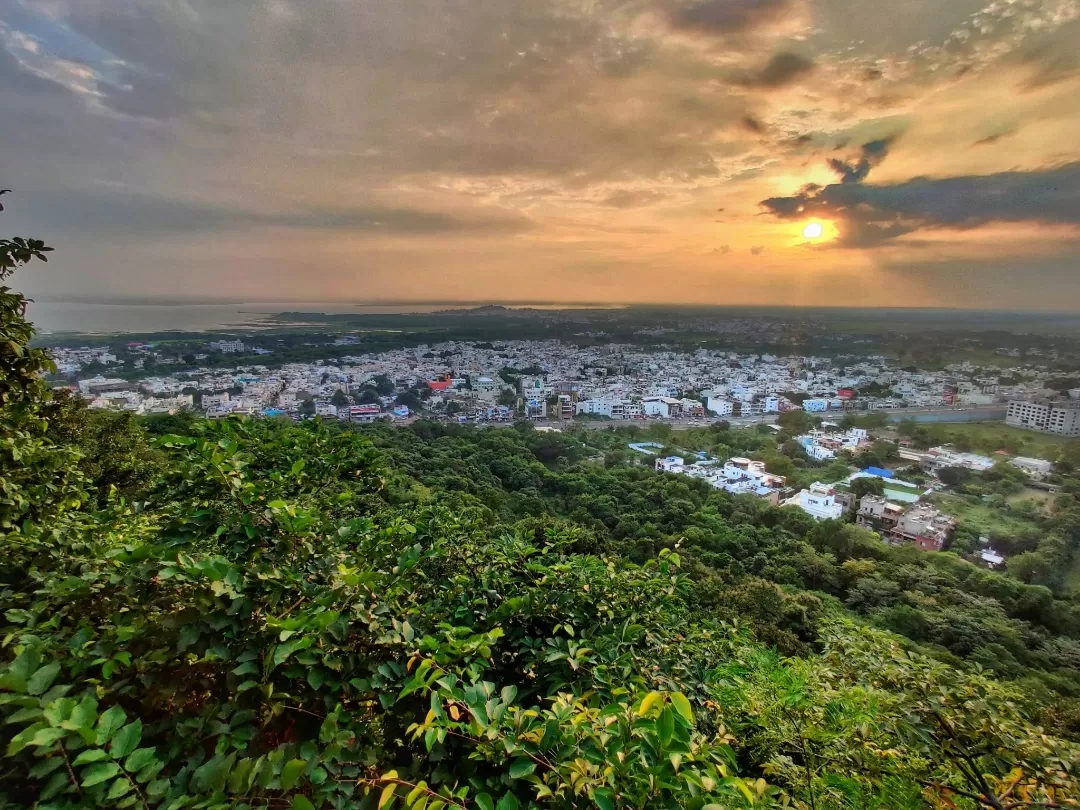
(1058, 416)
(878, 514)
(536, 408)
(721, 406)
(924, 526)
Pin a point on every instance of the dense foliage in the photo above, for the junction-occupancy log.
(261, 614)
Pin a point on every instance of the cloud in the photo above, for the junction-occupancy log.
(782, 69)
(869, 215)
(872, 154)
(757, 250)
(134, 213)
(725, 16)
(634, 198)
(752, 124)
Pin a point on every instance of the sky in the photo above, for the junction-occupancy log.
(782, 152)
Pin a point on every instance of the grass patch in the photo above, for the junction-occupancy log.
(988, 437)
(986, 520)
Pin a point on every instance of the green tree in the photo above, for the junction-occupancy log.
(384, 386)
(339, 399)
(867, 485)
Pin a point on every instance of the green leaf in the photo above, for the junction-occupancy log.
(212, 774)
(57, 784)
(291, 772)
(82, 716)
(301, 803)
(96, 774)
(604, 799)
(126, 740)
(119, 788)
(41, 680)
(23, 738)
(47, 736)
(665, 726)
(484, 802)
(108, 724)
(283, 651)
(521, 767)
(650, 700)
(682, 706)
(508, 802)
(90, 755)
(139, 759)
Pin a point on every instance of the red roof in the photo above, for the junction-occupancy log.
(439, 385)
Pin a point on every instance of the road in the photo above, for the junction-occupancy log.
(965, 413)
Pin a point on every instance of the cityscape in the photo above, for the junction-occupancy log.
(562, 405)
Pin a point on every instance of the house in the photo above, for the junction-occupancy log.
(925, 527)
(672, 464)
(362, 413)
(878, 514)
(819, 501)
(663, 407)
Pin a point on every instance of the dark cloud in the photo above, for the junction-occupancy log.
(994, 138)
(724, 16)
(752, 124)
(108, 210)
(869, 215)
(757, 250)
(872, 154)
(781, 70)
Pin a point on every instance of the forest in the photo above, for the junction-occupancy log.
(261, 614)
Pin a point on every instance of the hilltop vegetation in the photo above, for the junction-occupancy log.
(260, 614)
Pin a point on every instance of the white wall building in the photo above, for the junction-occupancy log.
(819, 502)
(721, 406)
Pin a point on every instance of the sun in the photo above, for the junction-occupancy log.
(813, 230)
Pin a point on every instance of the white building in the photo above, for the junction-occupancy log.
(815, 405)
(721, 406)
(1060, 417)
(819, 502)
(670, 464)
(228, 346)
(1035, 467)
(664, 407)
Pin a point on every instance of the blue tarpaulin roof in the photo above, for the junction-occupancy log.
(878, 471)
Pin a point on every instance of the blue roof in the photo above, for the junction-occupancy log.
(879, 472)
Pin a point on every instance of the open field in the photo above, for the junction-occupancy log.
(987, 521)
(987, 437)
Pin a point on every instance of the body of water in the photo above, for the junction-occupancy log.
(97, 318)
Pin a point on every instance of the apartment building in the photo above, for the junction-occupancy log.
(1058, 416)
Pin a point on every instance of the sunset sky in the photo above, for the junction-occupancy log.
(547, 150)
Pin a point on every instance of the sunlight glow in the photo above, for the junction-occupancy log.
(813, 230)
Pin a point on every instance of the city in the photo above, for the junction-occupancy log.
(563, 405)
